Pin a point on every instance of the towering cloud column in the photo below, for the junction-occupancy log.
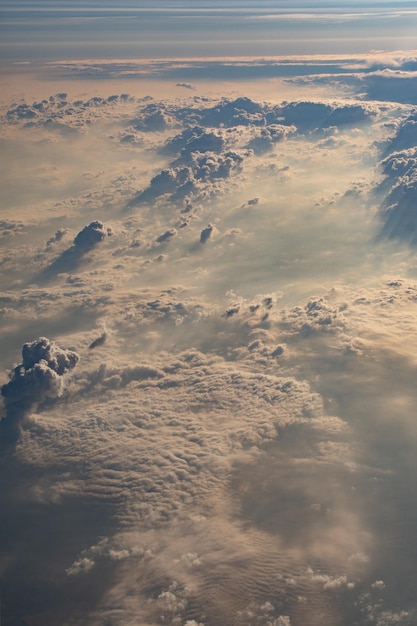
(39, 376)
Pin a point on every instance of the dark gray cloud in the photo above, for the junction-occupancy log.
(318, 315)
(224, 113)
(10, 228)
(313, 116)
(131, 139)
(167, 181)
(392, 86)
(167, 235)
(200, 176)
(84, 242)
(99, 341)
(229, 113)
(384, 78)
(194, 139)
(398, 212)
(60, 112)
(405, 136)
(38, 377)
(90, 236)
(207, 233)
(59, 235)
(264, 139)
(399, 165)
(398, 187)
(244, 112)
(154, 117)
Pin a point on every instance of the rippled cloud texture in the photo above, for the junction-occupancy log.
(208, 318)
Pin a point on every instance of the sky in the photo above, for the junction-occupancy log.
(208, 294)
(38, 30)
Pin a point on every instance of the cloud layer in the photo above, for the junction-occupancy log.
(229, 436)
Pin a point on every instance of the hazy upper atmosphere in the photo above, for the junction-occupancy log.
(208, 309)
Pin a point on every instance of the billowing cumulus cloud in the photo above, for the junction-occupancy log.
(153, 118)
(38, 377)
(90, 236)
(61, 113)
(84, 242)
(264, 139)
(200, 176)
(308, 116)
(194, 139)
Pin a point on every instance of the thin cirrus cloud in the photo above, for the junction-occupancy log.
(335, 16)
(152, 31)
